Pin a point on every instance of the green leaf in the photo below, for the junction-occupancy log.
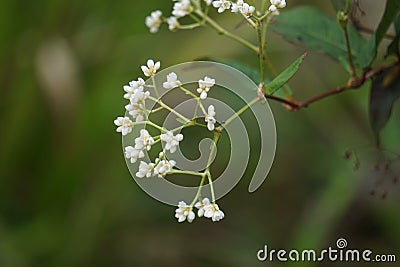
(391, 10)
(254, 75)
(310, 27)
(284, 76)
(393, 48)
(385, 90)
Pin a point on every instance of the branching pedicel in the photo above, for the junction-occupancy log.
(137, 94)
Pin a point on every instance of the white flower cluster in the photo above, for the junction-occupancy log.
(203, 89)
(182, 8)
(136, 93)
(154, 21)
(205, 208)
(136, 108)
(239, 7)
(124, 125)
(275, 5)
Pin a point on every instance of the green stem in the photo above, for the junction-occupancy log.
(186, 91)
(155, 87)
(202, 108)
(186, 172)
(155, 126)
(199, 104)
(252, 24)
(213, 24)
(189, 26)
(199, 189)
(264, 16)
(207, 171)
(261, 49)
(200, 125)
(352, 68)
(211, 186)
(237, 114)
(169, 109)
(156, 110)
(264, 34)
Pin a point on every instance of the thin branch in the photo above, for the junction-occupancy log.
(353, 83)
(346, 35)
(292, 104)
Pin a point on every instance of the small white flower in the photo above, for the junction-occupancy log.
(210, 119)
(208, 2)
(204, 86)
(222, 5)
(144, 141)
(136, 112)
(138, 97)
(212, 211)
(136, 106)
(151, 68)
(154, 21)
(184, 212)
(182, 8)
(278, 3)
(275, 4)
(247, 10)
(171, 141)
(125, 125)
(133, 154)
(145, 170)
(236, 6)
(133, 85)
(139, 84)
(163, 167)
(173, 23)
(273, 9)
(172, 81)
(201, 205)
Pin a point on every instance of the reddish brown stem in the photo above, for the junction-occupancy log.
(353, 83)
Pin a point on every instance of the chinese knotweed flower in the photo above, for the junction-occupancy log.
(154, 21)
(183, 8)
(171, 141)
(222, 5)
(204, 86)
(210, 118)
(137, 92)
(205, 208)
(125, 125)
(172, 81)
(151, 68)
(184, 212)
(275, 5)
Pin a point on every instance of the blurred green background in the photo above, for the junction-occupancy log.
(67, 198)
